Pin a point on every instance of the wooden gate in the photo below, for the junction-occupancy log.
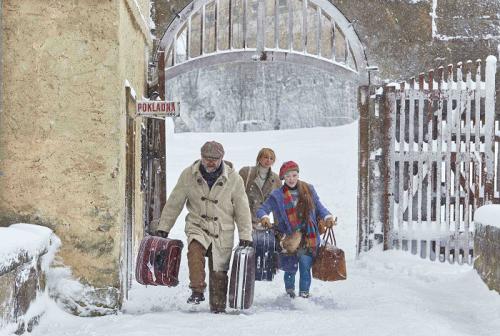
(428, 159)
(153, 169)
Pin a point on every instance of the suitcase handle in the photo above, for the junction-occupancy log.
(160, 259)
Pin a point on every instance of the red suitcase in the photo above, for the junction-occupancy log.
(158, 261)
(242, 281)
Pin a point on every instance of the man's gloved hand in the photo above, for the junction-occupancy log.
(330, 222)
(265, 222)
(246, 243)
(161, 233)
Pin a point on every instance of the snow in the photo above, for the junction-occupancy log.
(72, 293)
(488, 215)
(132, 91)
(386, 293)
(22, 239)
(32, 241)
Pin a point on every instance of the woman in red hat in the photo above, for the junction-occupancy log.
(297, 208)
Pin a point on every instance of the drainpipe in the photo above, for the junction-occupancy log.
(1, 57)
(497, 81)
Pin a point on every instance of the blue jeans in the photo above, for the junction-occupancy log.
(305, 264)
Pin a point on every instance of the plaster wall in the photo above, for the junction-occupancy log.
(62, 129)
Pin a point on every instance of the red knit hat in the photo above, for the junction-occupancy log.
(286, 167)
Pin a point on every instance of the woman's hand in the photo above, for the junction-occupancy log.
(266, 222)
(330, 222)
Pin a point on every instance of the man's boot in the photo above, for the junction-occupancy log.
(196, 263)
(196, 298)
(218, 292)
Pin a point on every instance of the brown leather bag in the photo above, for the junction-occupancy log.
(329, 264)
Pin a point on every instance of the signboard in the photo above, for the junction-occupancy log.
(158, 108)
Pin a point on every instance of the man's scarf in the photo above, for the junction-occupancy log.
(210, 177)
(311, 232)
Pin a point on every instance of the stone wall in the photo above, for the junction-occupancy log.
(487, 251)
(19, 286)
(401, 37)
(23, 267)
(62, 129)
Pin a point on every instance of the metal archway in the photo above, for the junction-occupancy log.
(208, 32)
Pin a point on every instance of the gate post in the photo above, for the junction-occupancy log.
(363, 177)
(489, 132)
(388, 126)
(161, 74)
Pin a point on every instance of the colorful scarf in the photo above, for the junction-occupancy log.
(310, 233)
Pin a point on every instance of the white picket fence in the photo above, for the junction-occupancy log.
(429, 160)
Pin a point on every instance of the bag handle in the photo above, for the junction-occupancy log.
(329, 237)
(248, 177)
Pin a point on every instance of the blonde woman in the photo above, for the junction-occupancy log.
(260, 181)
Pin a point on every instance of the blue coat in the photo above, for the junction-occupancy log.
(275, 203)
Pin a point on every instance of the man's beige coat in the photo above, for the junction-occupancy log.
(212, 213)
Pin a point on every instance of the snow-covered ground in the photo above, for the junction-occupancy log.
(386, 293)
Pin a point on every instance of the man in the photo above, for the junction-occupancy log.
(216, 199)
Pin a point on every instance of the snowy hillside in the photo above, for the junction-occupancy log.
(389, 293)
